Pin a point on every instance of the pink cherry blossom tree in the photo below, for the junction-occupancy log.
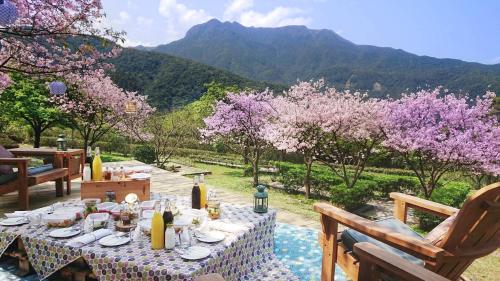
(95, 105)
(297, 124)
(53, 37)
(351, 126)
(437, 134)
(240, 121)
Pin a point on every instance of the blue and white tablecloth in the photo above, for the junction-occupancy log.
(247, 249)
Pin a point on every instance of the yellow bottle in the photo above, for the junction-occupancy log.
(97, 166)
(157, 232)
(203, 192)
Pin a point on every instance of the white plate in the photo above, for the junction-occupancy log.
(140, 176)
(196, 253)
(113, 240)
(65, 232)
(13, 221)
(210, 236)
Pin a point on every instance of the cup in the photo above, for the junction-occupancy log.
(35, 218)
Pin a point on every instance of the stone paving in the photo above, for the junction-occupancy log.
(161, 181)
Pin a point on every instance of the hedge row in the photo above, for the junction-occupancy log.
(369, 186)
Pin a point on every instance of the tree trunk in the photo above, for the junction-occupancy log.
(255, 173)
(307, 179)
(37, 135)
(245, 154)
(255, 166)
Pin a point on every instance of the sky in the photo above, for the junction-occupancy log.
(463, 29)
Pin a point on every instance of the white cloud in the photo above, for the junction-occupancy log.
(180, 18)
(133, 43)
(124, 16)
(243, 12)
(236, 7)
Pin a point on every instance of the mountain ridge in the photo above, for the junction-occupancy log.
(286, 54)
(171, 82)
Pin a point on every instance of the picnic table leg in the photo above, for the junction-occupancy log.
(68, 185)
(59, 187)
(59, 163)
(23, 188)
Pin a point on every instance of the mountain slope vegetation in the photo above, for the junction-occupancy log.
(169, 81)
(283, 55)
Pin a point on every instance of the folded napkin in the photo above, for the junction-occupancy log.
(88, 238)
(227, 227)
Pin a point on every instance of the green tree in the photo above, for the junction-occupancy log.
(28, 99)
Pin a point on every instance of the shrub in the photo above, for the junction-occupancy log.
(352, 198)
(387, 183)
(452, 194)
(144, 153)
(247, 170)
(292, 177)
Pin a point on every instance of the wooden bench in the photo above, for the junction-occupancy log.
(22, 180)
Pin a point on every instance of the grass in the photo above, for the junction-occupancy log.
(232, 180)
(114, 157)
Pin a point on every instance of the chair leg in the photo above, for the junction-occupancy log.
(59, 187)
(23, 195)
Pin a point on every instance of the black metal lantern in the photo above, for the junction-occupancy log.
(57, 88)
(62, 143)
(260, 200)
(8, 13)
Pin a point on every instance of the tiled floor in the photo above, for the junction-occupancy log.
(298, 248)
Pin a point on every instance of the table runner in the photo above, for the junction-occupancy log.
(240, 254)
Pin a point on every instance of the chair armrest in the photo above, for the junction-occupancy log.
(14, 161)
(405, 243)
(404, 201)
(372, 258)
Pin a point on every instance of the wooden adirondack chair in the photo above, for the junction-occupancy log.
(474, 233)
(377, 264)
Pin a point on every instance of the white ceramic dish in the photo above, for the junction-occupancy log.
(14, 221)
(106, 206)
(98, 219)
(196, 253)
(210, 236)
(65, 232)
(77, 211)
(114, 240)
(59, 220)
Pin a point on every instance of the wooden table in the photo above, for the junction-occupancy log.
(98, 189)
(73, 159)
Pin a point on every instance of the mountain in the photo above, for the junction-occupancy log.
(285, 54)
(170, 81)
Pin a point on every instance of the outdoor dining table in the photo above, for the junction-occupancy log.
(247, 247)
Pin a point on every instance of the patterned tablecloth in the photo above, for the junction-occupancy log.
(246, 249)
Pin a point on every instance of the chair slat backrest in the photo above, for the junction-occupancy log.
(475, 232)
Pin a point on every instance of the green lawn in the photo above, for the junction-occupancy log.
(114, 157)
(232, 180)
